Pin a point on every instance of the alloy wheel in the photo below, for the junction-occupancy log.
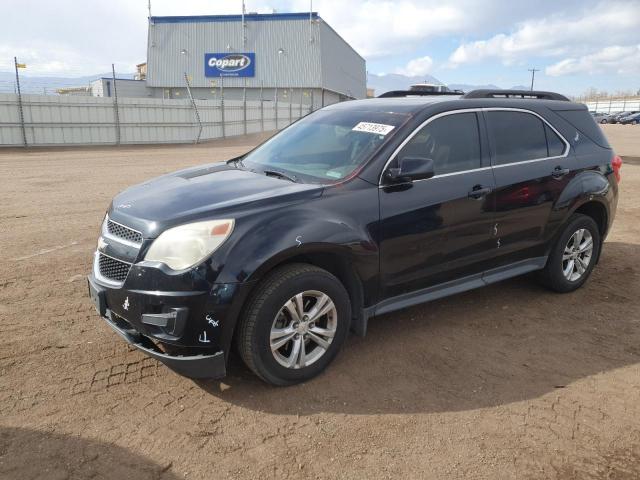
(303, 329)
(577, 255)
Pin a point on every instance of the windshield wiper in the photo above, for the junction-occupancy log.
(278, 174)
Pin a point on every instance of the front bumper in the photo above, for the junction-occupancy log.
(194, 361)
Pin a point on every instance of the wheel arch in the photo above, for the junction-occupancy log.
(334, 259)
(598, 212)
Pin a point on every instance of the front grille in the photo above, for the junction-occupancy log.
(112, 269)
(123, 232)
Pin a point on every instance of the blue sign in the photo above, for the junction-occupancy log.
(229, 64)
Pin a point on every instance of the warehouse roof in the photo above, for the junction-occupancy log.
(248, 17)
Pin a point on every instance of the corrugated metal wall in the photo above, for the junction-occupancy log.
(298, 66)
(343, 70)
(614, 106)
(65, 120)
(302, 65)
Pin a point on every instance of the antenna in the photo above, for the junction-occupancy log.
(310, 21)
(244, 26)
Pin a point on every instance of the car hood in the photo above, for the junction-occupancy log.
(199, 193)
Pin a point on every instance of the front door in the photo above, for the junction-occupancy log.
(438, 229)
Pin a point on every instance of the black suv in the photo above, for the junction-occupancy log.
(358, 209)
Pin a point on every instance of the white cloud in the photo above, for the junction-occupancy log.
(417, 67)
(614, 60)
(378, 28)
(568, 34)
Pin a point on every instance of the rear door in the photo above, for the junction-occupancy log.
(532, 165)
(438, 229)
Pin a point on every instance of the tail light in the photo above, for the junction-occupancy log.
(616, 164)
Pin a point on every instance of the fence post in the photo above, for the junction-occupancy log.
(224, 133)
(313, 99)
(276, 108)
(300, 105)
(115, 104)
(261, 106)
(244, 105)
(195, 107)
(20, 109)
(290, 105)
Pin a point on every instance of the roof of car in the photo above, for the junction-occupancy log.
(393, 104)
(413, 105)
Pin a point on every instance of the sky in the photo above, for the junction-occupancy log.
(575, 44)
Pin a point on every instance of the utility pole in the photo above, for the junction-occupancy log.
(533, 76)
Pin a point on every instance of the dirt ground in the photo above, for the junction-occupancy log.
(509, 381)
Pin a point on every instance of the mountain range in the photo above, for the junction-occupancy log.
(396, 81)
(381, 83)
(32, 84)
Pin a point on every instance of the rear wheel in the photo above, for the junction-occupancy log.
(573, 256)
(294, 324)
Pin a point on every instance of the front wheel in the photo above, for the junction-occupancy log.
(294, 324)
(573, 256)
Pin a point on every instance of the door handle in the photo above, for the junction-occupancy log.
(479, 191)
(559, 172)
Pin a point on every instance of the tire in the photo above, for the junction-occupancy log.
(604, 121)
(557, 275)
(267, 312)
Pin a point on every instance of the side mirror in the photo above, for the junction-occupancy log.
(411, 168)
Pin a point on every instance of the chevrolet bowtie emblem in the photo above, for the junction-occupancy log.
(102, 244)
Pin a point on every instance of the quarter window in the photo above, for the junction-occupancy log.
(452, 142)
(517, 137)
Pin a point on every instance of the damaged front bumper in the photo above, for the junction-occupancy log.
(192, 362)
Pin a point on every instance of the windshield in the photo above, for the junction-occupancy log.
(326, 146)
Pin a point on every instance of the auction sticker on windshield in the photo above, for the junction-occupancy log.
(377, 128)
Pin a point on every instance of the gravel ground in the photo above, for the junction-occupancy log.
(509, 381)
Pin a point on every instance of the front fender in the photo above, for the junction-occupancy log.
(273, 240)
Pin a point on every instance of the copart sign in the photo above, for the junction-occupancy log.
(229, 64)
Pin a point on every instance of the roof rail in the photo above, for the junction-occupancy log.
(526, 94)
(417, 93)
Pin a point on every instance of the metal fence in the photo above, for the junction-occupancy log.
(614, 105)
(43, 120)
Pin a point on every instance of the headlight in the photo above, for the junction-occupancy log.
(187, 245)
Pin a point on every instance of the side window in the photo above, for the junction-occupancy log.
(516, 137)
(452, 142)
(554, 144)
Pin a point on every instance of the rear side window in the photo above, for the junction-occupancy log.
(452, 142)
(516, 137)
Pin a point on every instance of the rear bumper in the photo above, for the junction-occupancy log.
(193, 362)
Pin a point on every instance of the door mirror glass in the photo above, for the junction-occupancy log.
(411, 168)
